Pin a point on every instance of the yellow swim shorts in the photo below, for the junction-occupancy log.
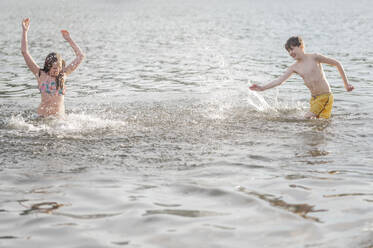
(322, 105)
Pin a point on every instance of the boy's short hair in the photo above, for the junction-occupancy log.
(295, 41)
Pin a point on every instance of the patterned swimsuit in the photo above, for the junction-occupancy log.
(48, 86)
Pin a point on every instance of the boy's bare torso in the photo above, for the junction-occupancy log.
(313, 75)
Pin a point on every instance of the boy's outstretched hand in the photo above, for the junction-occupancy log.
(256, 87)
(349, 87)
(65, 34)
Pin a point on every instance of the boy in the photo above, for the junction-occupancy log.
(309, 67)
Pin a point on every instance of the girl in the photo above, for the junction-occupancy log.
(51, 79)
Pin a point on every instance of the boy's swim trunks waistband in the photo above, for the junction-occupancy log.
(322, 105)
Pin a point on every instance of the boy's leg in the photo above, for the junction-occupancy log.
(310, 115)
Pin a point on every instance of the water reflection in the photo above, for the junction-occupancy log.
(347, 194)
(311, 149)
(43, 207)
(50, 207)
(86, 216)
(121, 243)
(8, 237)
(184, 213)
(300, 209)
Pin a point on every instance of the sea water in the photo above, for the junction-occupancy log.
(164, 145)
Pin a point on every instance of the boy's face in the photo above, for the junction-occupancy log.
(296, 51)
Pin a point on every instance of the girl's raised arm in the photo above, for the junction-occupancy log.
(24, 47)
(78, 52)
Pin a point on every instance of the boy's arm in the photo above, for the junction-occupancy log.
(322, 59)
(274, 83)
(78, 52)
(24, 48)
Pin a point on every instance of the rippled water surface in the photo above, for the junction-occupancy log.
(163, 144)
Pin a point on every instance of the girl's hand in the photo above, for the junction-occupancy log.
(65, 34)
(26, 24)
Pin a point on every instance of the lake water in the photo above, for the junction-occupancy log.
(164, 145)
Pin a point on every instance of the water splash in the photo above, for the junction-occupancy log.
(258, 102)
(74, 123)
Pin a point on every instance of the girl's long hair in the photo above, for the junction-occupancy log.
(49, 61)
